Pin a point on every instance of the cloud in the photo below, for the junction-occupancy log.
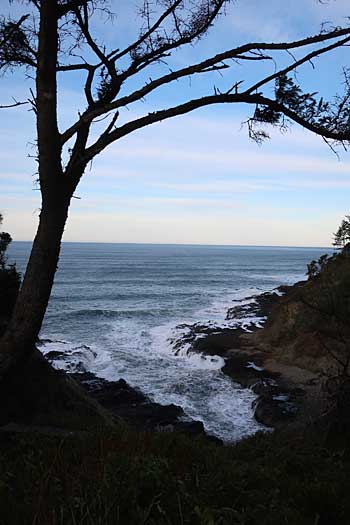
(203, 228)
(248, 161)
(198, 178)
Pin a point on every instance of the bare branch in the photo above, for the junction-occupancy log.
(200, 67)
(297, 63)
(75, 67)
(14, 105)
(159, 116)
(218, 98)
(159, 46)
(151, 30)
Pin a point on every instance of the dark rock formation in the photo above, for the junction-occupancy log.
(275, 404)
(136, 409)
(272, 411)
(259, 306)
(245, 369)
(218, 342)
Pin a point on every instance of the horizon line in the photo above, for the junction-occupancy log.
(191, 244)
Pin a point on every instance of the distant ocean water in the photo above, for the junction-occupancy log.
(115, 308)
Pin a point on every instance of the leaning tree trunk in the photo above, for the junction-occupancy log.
(56, 188)
(19, 340)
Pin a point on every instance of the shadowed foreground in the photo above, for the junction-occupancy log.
(135, 477)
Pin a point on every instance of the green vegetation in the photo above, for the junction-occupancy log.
(115, 475)
(133, 478)
(9, 281)
(342, 235)
(341, 240)
(315, 267)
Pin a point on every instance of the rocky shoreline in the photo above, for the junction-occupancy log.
(280, 392)
(122, 400)
(130, 405)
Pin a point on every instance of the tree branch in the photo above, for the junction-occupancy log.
(297, 63)
(339, 136)
(14, 105)
(191, 105)
(70, 6)
(151, 30)
(158, 116)
(75, 67)
(204, 66)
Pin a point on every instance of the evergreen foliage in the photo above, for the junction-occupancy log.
(315, 267)
(342, 235)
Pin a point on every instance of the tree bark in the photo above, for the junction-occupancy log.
(19, 340)
(56, 188)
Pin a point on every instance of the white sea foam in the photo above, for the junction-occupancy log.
(148, 360)
(125, 303)
(68, 356)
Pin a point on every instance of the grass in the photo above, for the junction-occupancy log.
(128, 477)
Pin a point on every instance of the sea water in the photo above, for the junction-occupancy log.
(116, 309)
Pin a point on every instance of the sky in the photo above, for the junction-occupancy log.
(195, 179)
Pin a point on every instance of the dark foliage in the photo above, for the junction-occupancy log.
(137, 478)
(9, 281)
(342, 235)
(315, 267)
(14, 44)
(333, 116)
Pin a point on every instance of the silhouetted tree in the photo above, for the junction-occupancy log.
(312, 269)
(56, 37)
(5, 239)
(342, 235)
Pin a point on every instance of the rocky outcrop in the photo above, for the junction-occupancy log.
(278, 400)
(258, 306)
(309, 326)
(306, 335)
(135, 408)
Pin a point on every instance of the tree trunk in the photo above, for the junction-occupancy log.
(57, 187)
(23, 330)
(19, 340)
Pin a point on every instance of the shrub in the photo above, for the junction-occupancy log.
(10, 281)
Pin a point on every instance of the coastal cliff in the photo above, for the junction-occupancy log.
(308, 327)
(116, 473)
(299, 350)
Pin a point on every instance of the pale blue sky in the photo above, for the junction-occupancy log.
(198, 178)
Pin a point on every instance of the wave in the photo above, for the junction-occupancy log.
(90, 314)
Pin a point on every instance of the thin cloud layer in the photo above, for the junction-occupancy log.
(196, 179)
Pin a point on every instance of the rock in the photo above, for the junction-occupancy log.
(194, 428)
(245, 369)
(266, 387)
(260, 306)
(135, 408)
(311, 318)
(219, 342)
(110, 394)
(273, 410)
(54, 355)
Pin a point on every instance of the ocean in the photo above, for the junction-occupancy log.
(116, 310)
